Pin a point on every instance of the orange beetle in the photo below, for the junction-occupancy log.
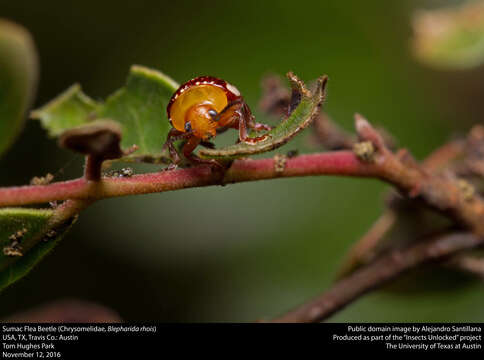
(202, 108)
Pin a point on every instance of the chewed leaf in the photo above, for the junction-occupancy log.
(306, 108)
(70, 109)
(25, 238)
(18, 79)
(139, 108)
(451, 38)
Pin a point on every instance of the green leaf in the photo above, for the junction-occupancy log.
(70, 109)
(307, 109)
(36, 240)
(450, 38)
(18, 79)
(139, 107)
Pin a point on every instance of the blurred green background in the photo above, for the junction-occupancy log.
(245, 251)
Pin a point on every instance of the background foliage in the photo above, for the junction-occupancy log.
(249, 250)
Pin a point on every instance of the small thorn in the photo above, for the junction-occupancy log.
(367, 132)
(361, 124)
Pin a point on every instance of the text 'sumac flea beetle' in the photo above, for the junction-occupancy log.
(202, 108)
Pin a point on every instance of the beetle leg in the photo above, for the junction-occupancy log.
(237, 114)
(246, 120)
(251, 121)
(174, 135)
(223, 129)
(207, 144)
(224, 117)
(188, 148)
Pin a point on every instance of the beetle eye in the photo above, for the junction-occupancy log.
(188, 126)
(212, 113)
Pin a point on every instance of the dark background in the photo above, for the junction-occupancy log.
(245, 251)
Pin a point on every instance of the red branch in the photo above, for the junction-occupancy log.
(371, 158)
(378, 273)
(331, 163)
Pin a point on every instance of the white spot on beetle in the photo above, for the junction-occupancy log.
(233, 89)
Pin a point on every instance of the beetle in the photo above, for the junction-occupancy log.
(200, 109)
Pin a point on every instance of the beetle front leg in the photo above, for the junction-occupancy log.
(237, 115)
(251, 120)
(247, 121)
(174, 135)
(188, 149)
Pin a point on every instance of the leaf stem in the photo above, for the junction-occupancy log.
(92, 168)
